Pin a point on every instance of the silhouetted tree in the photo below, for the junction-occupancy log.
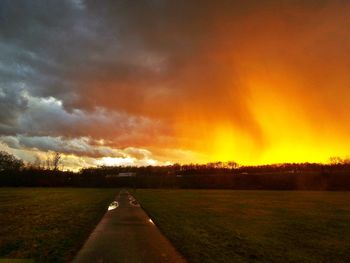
(334, 160)
(56, 160)
(37, 163)
(232, 165)
(9, 162)
(48, 162)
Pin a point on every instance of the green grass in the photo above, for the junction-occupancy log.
(253, 226)
(48, 224)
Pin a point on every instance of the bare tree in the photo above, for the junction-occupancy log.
(37, 163)
(48, 162)
(56, 160)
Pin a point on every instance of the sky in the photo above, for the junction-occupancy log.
(154, 82)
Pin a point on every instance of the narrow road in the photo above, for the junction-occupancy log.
(127, 235)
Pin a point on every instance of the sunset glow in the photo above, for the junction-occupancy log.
(158, 82)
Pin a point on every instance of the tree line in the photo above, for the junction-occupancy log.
(216, 175)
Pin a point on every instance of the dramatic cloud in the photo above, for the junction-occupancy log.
(253, 81)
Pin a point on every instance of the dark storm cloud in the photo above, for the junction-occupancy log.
(129, 71)
(35, 116)
(80, 146)
(48, 49)
(12, 106)
(43, 38)
(79, 51)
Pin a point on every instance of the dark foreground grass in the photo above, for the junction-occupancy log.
(48, 224)
(253, 226)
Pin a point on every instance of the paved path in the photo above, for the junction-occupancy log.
(127, 235)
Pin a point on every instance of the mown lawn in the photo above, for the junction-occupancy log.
(49, 224)
(253, 226)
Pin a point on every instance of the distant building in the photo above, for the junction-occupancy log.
(129, 174)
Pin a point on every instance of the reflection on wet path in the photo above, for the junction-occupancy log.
(127, 234)
(133, 201)
(113, 205)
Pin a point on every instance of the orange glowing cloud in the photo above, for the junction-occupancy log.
(249, 81)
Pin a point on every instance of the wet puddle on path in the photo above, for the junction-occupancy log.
(113, 205)
(133, 201)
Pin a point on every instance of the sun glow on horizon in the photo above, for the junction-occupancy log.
(224, 145)
(163, 82)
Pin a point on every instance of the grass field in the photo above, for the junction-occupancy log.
(253, 226)
(48, 224)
